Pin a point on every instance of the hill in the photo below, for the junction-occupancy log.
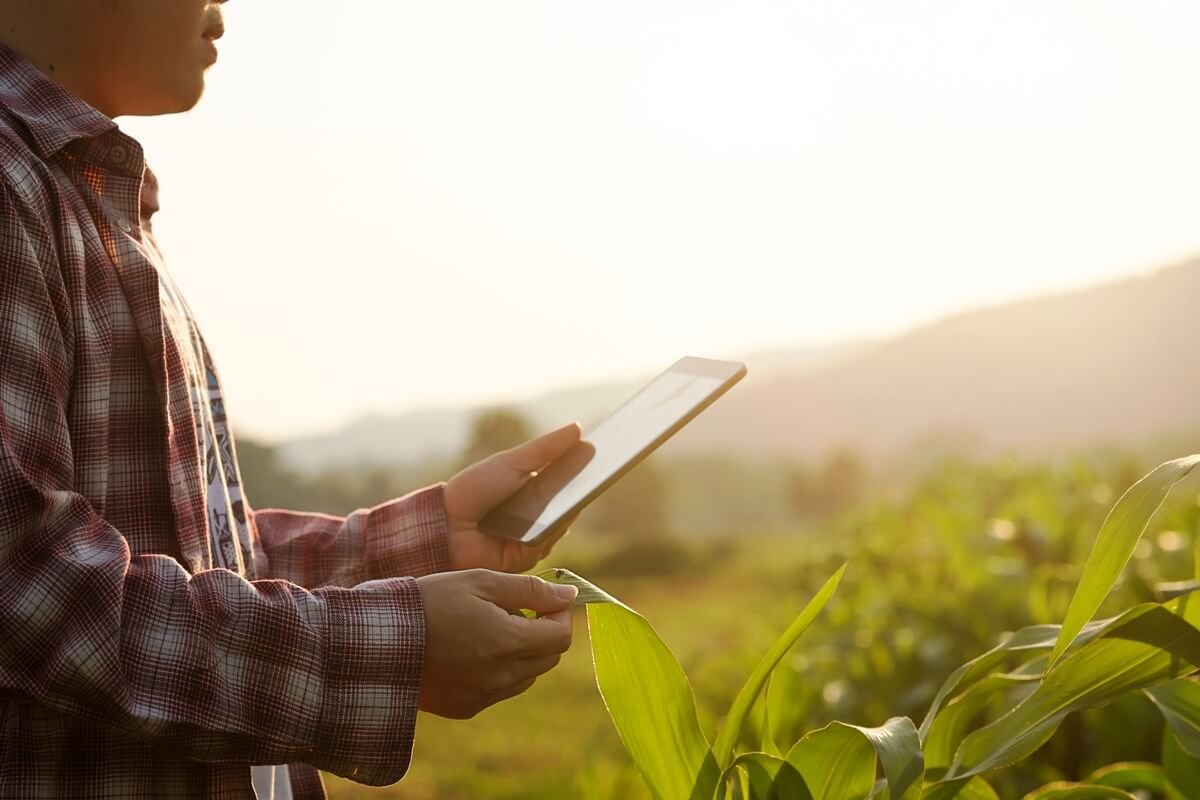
(412, 437)
(1111, 364)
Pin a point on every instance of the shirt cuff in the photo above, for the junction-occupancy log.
(408, 536)
(373, 658)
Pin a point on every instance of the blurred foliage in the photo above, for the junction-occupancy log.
(942, 562)
(940, 569)
(270, 483)
(834, 486)
(719, 495)
(634, 508)
(494, 430)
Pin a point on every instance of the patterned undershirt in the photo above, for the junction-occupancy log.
(226, 510)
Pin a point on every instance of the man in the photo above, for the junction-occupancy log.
(158, 637)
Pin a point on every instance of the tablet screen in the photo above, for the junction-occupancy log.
(616, 441)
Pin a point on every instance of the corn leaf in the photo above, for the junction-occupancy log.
(1182, 769)
(975, 788)
(1149, 649)
(1030, 639)
(1118, 537)
(1167, 590)
(769, 777)
(648, 696)
(836, 761)
(588, 591)
(1131, 776)
(1078, 791)
(756, 771)
(766, 739)
(727, 738)
(1179, 702)
(899, 749)
(951, 724)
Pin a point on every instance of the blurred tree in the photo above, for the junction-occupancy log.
(837, 485)
(268, 482)
(843, 478)
(718, 493)
(494, 430)
(272, 484)
(635, 507)
(801, 488)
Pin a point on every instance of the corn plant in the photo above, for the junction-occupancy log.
(1036, 677)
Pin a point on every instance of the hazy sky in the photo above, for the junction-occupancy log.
(386, 205)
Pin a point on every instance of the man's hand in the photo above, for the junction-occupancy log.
(479, 488)
(476, 653)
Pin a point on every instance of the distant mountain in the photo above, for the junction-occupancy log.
(1114, 364)
(419, 435)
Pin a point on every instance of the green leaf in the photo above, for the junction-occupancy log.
(789, 785)
(588, 591)
(1182, 769)
(648, 696)
(1030, 639)
(975, 788)
(769, 777)
(1131, 775)
(837, 762)
(727, 738)
(899, 749)
(1167, 590)
(950, 726)
(756, 771)
(1064, 790)
(1152, 647)
(1118, 537)
(1034, 637)
(1179, 702)
(767, 741)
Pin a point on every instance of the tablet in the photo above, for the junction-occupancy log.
(607, 451)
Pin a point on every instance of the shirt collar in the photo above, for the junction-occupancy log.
(53, 116)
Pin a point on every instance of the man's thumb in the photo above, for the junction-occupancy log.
(537, 453)
(529, 591)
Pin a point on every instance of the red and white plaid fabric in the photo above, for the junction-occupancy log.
(129, 665)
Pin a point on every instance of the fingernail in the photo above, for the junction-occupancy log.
(566, 591)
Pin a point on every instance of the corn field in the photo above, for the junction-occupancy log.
(987, 717)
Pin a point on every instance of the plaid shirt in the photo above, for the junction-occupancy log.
(129, 665)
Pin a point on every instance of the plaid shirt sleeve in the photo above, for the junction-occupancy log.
(207, 665)
(403, 537)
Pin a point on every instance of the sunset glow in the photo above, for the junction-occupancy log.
(383, 206)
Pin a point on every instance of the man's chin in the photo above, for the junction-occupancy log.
(170, 100)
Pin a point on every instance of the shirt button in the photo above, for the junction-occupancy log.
(124, 225)
(117, 155)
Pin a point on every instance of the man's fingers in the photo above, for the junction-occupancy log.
(528, 591)
(537, 453)
(538, 665)
(545, 636)
(479, 488)
(511, 691)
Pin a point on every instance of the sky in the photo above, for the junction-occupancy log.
(383, 206)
